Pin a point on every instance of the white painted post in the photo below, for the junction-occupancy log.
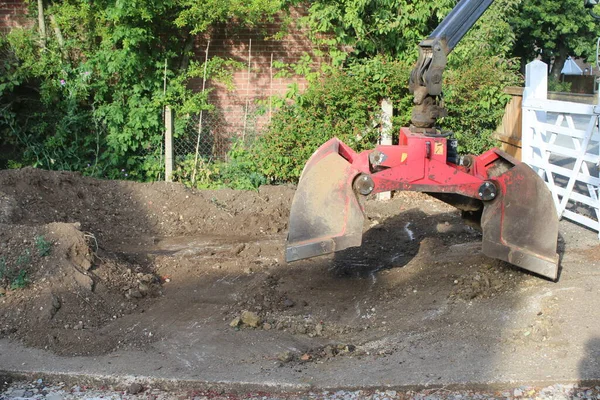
(387, 112)
(536, 87)
(168, 144)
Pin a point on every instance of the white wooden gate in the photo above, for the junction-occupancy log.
(561, 143)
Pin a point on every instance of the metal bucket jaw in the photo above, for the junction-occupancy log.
(521, 225)
(326, 215)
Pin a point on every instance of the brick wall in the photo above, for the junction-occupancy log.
(12, 14)
(227, 42)
(262, 82)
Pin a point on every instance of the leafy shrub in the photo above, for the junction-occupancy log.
(91, 98)
(344, 104)
(475, 101)
(239, 171)
(555, 85)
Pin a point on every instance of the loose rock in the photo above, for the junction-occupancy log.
(135, 388)
(251, 319)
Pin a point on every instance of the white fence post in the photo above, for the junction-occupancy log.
(387, 112)
(168, 144)
(536, 87)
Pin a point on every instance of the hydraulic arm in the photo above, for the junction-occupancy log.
(427, 76)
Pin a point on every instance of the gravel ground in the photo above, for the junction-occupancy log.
(39, 389)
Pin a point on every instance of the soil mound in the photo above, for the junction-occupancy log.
(69, 251)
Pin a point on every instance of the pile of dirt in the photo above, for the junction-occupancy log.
(119, 211)
(90, 266)
(68, 265)
(57, 294)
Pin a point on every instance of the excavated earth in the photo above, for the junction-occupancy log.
(95, 268)
(98, 255)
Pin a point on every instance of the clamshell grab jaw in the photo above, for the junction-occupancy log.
(326, 215)
(521, 225)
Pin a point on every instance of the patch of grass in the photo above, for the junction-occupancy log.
(24, 259)
(21, 280)
(42, 245)
(3, 268)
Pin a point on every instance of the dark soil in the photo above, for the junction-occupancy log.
(91, 266)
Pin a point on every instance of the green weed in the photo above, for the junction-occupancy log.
(24, 259)
(42, 245)
(20, 281)
(3, 268)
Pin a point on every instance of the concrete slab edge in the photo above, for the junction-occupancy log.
(121, 382)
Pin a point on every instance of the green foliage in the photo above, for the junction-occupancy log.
(343, 104)
(554, 85)
(20, 281)
(239, 171)
(475, 101)
(42, 246)
(374, 27)
(200, 15)
(93, 101)
(492, 36)
(554, 30)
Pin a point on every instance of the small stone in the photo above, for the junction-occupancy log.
(79, 325)
(284, 356)
(28, 394)
(329, 351)
(235, 322)
(135, 388)
(517, 393)
(267, 326)
(319, 329)
(288, 303)
(251, 319)
(135, 293)
(301, 329)
(305, 357)
(144, 289)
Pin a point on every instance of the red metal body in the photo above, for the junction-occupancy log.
(419, 163)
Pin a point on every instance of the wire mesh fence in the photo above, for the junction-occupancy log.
(199, 140)
(204, 134)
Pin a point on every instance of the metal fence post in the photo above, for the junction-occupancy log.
(168, 144)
